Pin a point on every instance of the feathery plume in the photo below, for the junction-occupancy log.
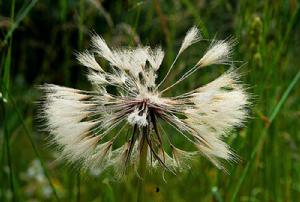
(218, 53)
(88, 126)
(88, 60)
(191, 37)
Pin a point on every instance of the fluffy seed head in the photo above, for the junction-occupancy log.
(106, 127)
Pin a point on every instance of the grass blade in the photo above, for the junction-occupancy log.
(9, 162)
(35, 150)
(197, 17)
(264, 133)
(78, 186)
(21, 15)
(6, 81)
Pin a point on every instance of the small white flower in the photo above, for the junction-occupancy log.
(89, 125)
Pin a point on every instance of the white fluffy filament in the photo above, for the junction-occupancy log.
(88, 125)
(191, 37)
(218, 53)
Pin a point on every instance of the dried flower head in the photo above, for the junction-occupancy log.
(89, 125)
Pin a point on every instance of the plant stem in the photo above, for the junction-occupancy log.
(264, 134)
(8, 153)
(34, 147)
(142, 166)
(78, 187)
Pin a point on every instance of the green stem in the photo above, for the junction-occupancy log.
(264, 135)
(142, 166)
(34, 147)
(136, 22)
(81, 21)
(78, 187)
(8, 152)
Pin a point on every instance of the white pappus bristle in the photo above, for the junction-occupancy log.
(126, 112)
(191, 37)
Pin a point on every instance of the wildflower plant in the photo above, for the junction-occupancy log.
(126, 97)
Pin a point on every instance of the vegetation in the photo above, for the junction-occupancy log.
(37, 45)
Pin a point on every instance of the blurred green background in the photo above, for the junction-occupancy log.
(37, 44)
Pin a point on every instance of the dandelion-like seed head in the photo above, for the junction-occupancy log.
(128, 107)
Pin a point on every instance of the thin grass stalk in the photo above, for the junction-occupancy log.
(142, 166)
(21, 15)
(2, 185)
(78, 187)
(81, 25)
(35, 150)
(285, 39)
(264, 134)
(163, 21)
(5, 89)
(165, 24)
(136, 22)
(194, 12)
(8, 155)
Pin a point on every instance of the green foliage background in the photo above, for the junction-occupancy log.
(37, 44)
